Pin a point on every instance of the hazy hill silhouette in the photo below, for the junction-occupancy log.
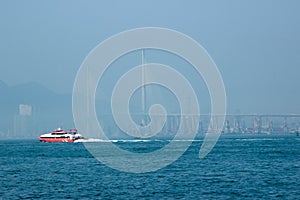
(49, 109)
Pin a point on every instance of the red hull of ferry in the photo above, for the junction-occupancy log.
(56, 139)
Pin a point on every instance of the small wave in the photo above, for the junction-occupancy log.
(128, 140)
(135, 140)
(186, 140)
(92, 140)
(114, 141)
(258, 139)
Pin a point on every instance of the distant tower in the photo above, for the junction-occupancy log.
(243, 126)
(257, 124)
(236, 127)
(271, 129)
(285, 125)
(25, 110)
(23, 122)
(227, 126)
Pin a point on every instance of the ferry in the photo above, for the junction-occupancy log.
(60, 135)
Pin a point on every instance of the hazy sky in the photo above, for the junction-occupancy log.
(255, 43)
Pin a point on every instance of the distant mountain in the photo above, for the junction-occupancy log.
(2, 85)
(49, 110)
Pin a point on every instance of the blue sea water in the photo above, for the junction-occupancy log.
(239, 167)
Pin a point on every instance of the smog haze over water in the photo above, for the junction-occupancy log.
(255, 44)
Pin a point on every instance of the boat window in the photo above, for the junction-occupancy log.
(60, 133)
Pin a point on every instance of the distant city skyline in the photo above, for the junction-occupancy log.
(255, 44)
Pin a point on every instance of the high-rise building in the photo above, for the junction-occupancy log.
(23, 125)
(25, 110)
